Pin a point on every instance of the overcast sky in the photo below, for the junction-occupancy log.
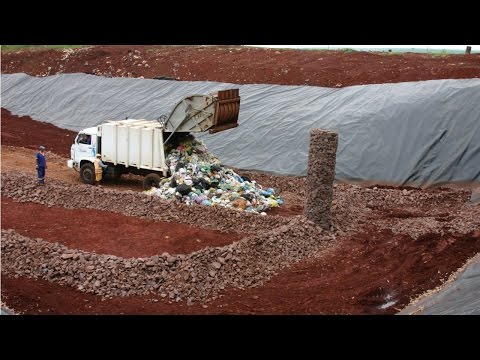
(441, 47)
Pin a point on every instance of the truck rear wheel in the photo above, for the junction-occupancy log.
(87, 173)
(151, 180)
(117, 174)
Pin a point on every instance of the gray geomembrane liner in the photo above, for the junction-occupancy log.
(416, 133)
(460, 297)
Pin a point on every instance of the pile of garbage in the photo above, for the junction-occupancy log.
(198, 177)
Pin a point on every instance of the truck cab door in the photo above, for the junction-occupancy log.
(85, 147)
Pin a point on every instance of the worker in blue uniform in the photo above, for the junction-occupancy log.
(41, 165)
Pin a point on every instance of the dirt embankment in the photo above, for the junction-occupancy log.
(23, 131)
(245, 65)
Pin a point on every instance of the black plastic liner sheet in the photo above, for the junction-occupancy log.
(414, 133)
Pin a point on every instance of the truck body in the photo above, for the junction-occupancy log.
(138, 145)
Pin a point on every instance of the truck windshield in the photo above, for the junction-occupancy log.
(84, 139)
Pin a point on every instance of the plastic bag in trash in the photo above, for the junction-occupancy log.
(184, 189)
(215, 168)
(180, 165)
(247, 196)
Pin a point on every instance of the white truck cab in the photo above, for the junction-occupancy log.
(84, 147)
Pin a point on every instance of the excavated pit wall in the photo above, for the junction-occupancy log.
(320, 176)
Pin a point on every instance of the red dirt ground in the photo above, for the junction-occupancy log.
(245, 65)
(25, 132)
(108, 233)
(357, 276)
(286, 210)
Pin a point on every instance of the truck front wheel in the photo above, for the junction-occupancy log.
(151, 180)
(87, 173)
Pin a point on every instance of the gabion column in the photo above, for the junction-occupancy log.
(320, 176)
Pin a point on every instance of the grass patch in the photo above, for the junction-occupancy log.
(347, 50)
(8, 48)
(444, 53)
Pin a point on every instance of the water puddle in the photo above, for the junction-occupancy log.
(387, 304)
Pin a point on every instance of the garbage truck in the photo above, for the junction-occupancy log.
(137, 146)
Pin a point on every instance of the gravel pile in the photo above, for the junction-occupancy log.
(381, 198)
(22, 188)
(197, 276)
(448, 211)
(348, 207)
(351, 203)
(462, 221)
